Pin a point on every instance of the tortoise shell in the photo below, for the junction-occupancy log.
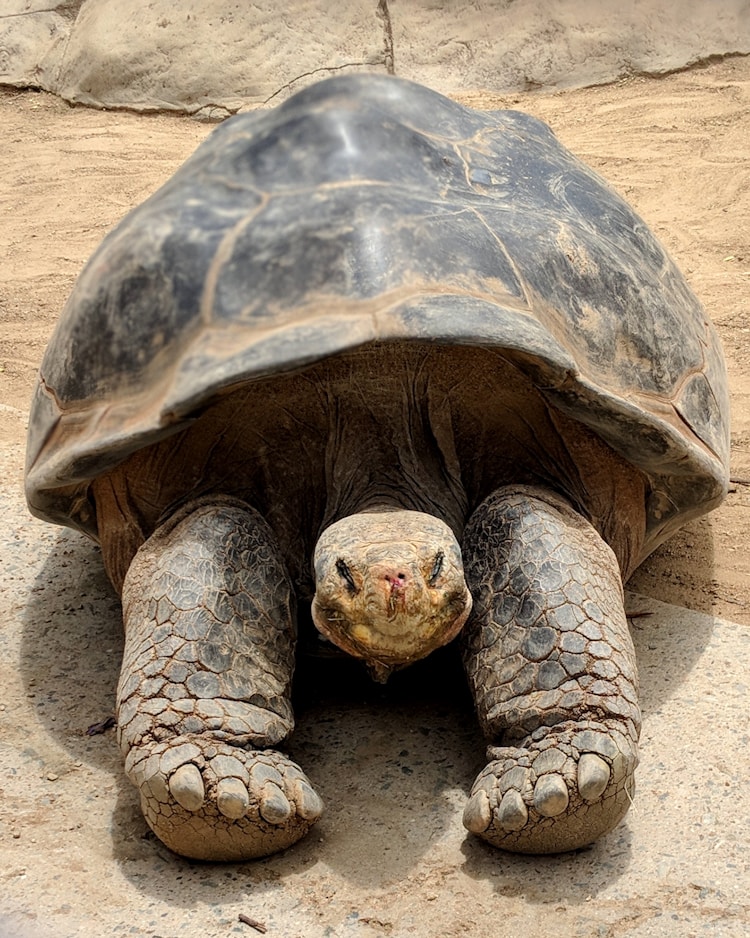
(368, 209)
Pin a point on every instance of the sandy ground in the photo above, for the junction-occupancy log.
(676, 148)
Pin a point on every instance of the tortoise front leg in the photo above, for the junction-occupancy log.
(204, 694)
(552, 670)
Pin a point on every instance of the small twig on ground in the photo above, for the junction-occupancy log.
(258, 926)
(638, 615)
(97, 728)
(735, 480)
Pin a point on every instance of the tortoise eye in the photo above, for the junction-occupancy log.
(437, 568)
(345, 573)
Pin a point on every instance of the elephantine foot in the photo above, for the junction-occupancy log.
(560, 789)
(208, 800)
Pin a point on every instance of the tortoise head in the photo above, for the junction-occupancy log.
(389, 587)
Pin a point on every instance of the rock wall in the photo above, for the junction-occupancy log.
(214, 57)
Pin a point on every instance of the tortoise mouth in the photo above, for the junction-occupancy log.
(393, 639)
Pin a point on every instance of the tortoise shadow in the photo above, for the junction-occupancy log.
(562, 880)
(71, 647)
(393, 765)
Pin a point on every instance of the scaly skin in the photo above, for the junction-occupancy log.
(552, 670)
(204, 692)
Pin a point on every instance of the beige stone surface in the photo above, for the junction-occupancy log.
(217, 56)
(155, 54)
(532, 44)
(33, 36)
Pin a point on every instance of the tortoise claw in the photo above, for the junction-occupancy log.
(186, 787)
(211, 801)
(554, 794)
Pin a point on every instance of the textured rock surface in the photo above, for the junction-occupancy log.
(212, 56)
(216, 56)
(559, 43)
(33, 35)
(153, 54)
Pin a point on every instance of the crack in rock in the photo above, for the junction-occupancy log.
(315, 71)
(385, 15)
(10, 16)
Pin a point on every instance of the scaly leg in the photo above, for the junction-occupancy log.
(552, 670)
(204, 693)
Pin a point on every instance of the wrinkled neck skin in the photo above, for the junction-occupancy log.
(391, 441)
(390, 587)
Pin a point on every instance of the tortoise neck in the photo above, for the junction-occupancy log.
(391, 438)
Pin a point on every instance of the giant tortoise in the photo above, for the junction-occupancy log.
(414, 368)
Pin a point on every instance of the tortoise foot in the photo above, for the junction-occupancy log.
(208, 800)
(560, 789)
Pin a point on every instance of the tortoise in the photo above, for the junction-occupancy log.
(418, 370)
